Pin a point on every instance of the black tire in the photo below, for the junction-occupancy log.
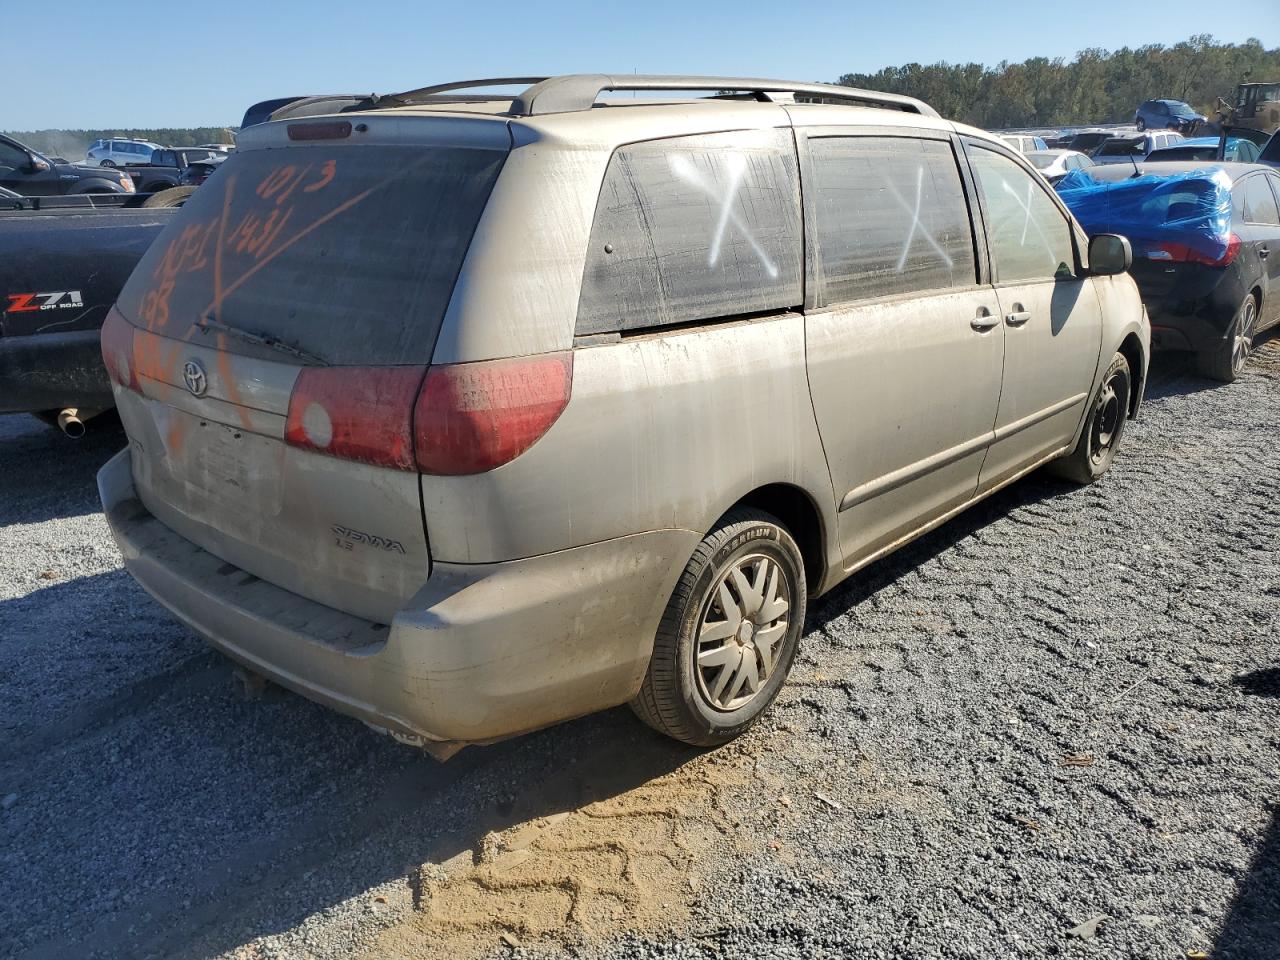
(1225, 361)
(1140, 124)
(680, 697)
(173, 197)
(1103, 427)
(107, 163)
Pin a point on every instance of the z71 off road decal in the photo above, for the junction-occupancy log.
(55, 300)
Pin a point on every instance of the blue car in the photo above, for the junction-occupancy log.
(1165, 115)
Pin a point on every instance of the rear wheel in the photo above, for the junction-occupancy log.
(1141, 125)
(1225, 361)
(107, 163)
(729, 633)
(1103, 427)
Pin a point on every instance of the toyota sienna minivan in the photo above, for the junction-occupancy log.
(466, 414)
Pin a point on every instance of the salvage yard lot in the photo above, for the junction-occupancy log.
(1065, 704)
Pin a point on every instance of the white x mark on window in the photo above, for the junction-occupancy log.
(916, 225)
(736, 166)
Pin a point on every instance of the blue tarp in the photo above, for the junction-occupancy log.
(1191, 209)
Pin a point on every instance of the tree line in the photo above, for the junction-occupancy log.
(1097, 86)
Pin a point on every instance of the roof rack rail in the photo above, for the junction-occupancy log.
(573, 92)
(580, 91)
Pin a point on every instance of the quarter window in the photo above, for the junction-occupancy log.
(694, 228)
(1259, 204)
(1030, 238)
(890, 217)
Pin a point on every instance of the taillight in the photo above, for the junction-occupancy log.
(1186, 253)
(356, 413)
(463, 418)
(117, 351)
(472, 417)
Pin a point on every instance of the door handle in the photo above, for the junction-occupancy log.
(983, 321)
(1017, 318)
(1263, 253)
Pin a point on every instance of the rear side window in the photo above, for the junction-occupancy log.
(694, 228)
(1029, 236)
(1254, 199)
(349, 253)
(890, 217)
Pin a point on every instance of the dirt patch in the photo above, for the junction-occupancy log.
(626, 862)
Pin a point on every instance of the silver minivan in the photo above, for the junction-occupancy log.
(466, 414)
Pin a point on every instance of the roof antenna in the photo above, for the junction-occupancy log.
(1136, 171)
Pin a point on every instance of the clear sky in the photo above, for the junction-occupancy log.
(174, 63)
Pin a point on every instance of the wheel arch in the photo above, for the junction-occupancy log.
(1131, 349)
(798, 511)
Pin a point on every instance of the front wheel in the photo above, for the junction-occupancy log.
(107, 163)
(1103, 427)
(1141, 125)
(1225, 361)
(729, 633)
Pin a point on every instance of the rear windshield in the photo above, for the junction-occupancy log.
(347, 254)
(1041, 161)
(1119, 148)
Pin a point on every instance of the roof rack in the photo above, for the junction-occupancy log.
(572, 92)
(580, 91)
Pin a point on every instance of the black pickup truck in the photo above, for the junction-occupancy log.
(63, 261)
(166, 166)
(32, 174)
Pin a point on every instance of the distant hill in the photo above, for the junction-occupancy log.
(72, 144)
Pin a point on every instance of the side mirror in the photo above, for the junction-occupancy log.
(1109, 254)
(39, 165)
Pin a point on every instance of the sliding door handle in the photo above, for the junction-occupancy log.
(984, 320)
(1017, 318)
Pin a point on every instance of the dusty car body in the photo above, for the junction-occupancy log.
(581, 412)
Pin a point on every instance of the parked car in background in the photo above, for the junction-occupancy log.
(198, 171)
(219, 147)
(31, 174)
(166, 166)
(117, 151)
(63, 261)
(1128, 149)
(1236, 149)
(1024, 143)
(1270, 154)
(413, 498)
(1205, 242)
(1057, 163)
(1089, 140)
(1166, 115)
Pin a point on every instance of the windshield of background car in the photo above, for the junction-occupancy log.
(1180, 109)
(348, 253)
(1121, 148)
(1041, 162)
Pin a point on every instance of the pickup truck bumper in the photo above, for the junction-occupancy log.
(50, 371)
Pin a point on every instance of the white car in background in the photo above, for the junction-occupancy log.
(1057, 163)
(1024, 143)
(117, 151)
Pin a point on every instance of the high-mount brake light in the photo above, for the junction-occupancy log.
(355, 413)
(117, 351)
(473, 417)
(335, 130)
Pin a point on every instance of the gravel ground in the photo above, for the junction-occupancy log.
(1062, 706)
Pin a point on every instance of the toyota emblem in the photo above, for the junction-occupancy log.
(194, 377)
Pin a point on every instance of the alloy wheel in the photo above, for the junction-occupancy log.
(1243, 345)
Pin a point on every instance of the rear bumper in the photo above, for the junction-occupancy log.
(49, 371)
(479, 653)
